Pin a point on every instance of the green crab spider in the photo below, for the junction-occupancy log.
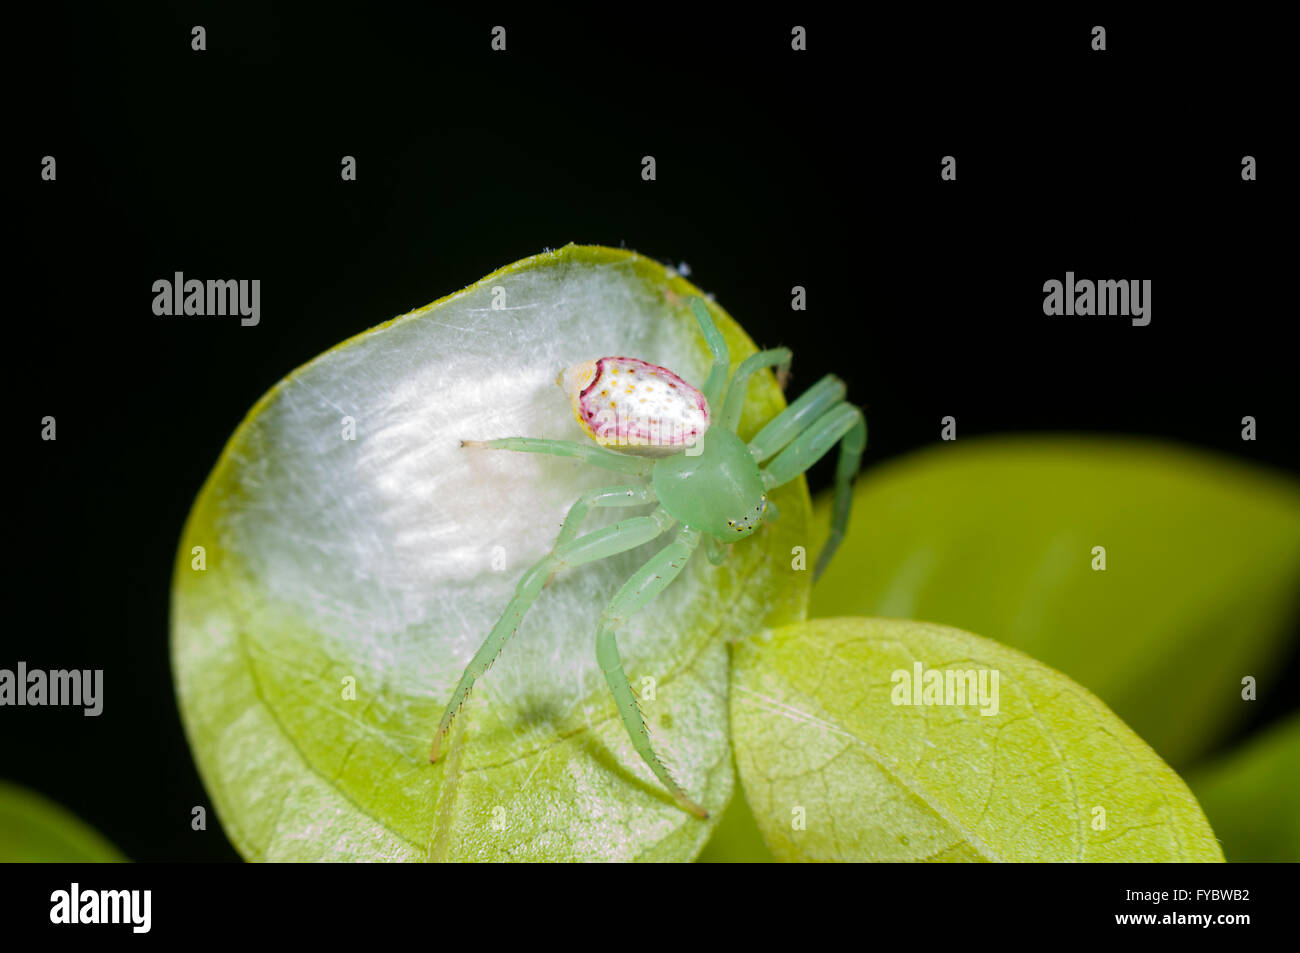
(704, 478)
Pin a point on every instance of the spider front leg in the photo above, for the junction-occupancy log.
(737, 387)
(843, 424)
(771, 513)
(636, 494)
(586, 452)
(650, 580)
(716, 550)
(598, 544)
(788, 424)
(717, 379)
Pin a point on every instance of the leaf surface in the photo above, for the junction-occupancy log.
(1252, 796)
(997, 536)
(1049, 774)
(35, 830)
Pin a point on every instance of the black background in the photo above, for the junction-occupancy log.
(775, 168)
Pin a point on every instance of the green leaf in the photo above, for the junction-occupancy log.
(817, 734)
(736, 839)
(368, 563)
(1252, 796)
(35, 830)
(996, 536)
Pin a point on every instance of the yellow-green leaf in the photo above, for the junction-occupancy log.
(345, 584)
(1252, 796)
(1001, 536)
(35, 830)
(736, 839)
(839, 762)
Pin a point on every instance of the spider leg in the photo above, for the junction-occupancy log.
(739, 383)
(717, 379)
(789, 423)
(598, 544)
(843, 424)
(771, 512)
(648, 581)
(855, 441)
(634, 495)
(716, 550)
(586, 452)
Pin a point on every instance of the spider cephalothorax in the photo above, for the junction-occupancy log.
(650, 424)
(711, 483)
(719, 491)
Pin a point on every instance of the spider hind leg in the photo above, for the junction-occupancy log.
(650, 580)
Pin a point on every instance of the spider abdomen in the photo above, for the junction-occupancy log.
(630, 405)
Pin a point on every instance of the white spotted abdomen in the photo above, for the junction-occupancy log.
(626, 404)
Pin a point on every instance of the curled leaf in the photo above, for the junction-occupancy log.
(354, 557)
